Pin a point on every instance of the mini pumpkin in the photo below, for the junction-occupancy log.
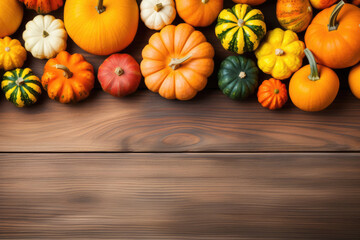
(12, 54)
(240, 28)
(177, 62)
(272, 94)
(11, 15)
(45, 36)
(238, 77)
(43, 6)
(334, 36)
(314, 87)
(68, 78)
(354, 80)
(280, 54)
(156, 14)
(21, 87)
(199, 13)
(119, 75)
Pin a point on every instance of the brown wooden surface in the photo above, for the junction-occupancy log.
(143, 167)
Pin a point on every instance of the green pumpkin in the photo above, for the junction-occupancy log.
(240, 28)
(21, 87)
(238, 77)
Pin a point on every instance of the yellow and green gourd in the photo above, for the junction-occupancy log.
(21, 87)
(240, 28)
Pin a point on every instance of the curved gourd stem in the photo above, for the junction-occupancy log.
(119, 71)
(204, 1)
(67, 72)
(333, 24)
(314, 75)
(175, 63)
(19, 81)
(100, 7)
(158, 7)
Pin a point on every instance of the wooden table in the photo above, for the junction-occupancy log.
(143, 167)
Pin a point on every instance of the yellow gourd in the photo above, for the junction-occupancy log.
(12, 54)
(281, 53)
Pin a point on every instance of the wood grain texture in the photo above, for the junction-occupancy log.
(147, 123)
(180, 196)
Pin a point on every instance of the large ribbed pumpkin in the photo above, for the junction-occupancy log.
(11, 15)
(101, 27)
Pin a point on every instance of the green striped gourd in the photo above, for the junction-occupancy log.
(240, 28)
(21, 87)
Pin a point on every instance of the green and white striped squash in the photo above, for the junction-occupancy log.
(21, 87)
(240, 28)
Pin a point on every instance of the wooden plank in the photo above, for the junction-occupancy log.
(147, 123)
(180, 196)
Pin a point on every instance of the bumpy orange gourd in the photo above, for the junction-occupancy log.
(101, 27)
(177, 62)
(250, 2)
(43, 6)
(11, 15)
(68, 78)
(314, 87)
(294, 15)
(272, 94)
(321, 4)
(354, 80)
(199, 13)
(334, 36)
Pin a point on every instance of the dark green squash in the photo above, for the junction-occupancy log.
(238, 77)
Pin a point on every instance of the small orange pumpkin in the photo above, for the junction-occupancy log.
(354, 80)
(68, 78)
(272, 94)
(334, 36)
(199, 13)
(250, 2)
(177, 62)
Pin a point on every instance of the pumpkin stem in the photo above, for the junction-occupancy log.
(158, 7)
(119, 71)
(314, 75)
(204, 1)
(241, 22)
(333, 24)
(175, 63)
(242, 75)
(45, 34)
(7, 49)
(100, 7)
(276, 91)
(19, 81)
(279, 52)
(67, 72)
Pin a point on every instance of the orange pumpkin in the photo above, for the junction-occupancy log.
(199, 13)
(250, 2)
(356, 2)
(294, 15)
(177, 62)
(272, 94)
(354, 80)
(11, 15)
(321, 4)
(68, 78)
(314, 87)
(334, 36)
(43, 6)
(108, 29)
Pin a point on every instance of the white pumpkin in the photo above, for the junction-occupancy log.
(156, 14)
(45, 36)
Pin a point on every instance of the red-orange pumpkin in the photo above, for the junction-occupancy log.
(250, 2)
(272, 94)
(43, 6)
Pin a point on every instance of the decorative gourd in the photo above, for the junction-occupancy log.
(321, 4)
(355, 2)
(68, 78)
(11, 15)
(354, 80)
(21, 87)
(294, 15)
(43, 6)
(272, 94)
(238, 77)
(314, 87)
(119, 75)
(240, 28)
(156, 14)
(280, 54)
(250, 2)
(177, 62)
(334, 36)
(12, 54)
(199, 13)
(45, 36)
(108, 29)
